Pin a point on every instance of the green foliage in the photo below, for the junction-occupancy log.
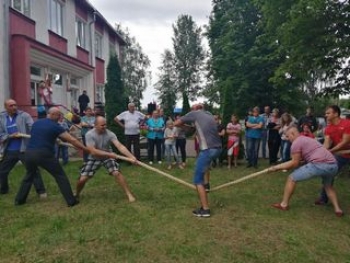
(135, 64)
(116, 102)
(159, 226)
(279, 53)
(189, 58)
(313, 38)
(166, 85)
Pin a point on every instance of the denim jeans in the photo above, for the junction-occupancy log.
(62, 151)
(253, 150)
(264, 137)
(169, 152)
(203, 163)
(285, 150)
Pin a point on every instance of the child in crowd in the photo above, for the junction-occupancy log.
(307, 131)
(233, 130)
(62, 150)
(170, 136)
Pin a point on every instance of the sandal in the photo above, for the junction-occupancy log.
(280, 207)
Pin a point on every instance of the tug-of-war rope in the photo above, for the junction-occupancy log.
(175, 179)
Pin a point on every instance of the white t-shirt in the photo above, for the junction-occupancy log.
(131, 121)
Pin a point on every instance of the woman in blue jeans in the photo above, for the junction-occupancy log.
(254, 124)
(286, 122)
(155, 136)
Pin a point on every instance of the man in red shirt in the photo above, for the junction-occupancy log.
(337, 137)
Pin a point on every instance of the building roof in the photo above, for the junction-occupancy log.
(98, 15)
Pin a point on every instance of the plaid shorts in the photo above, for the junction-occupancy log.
(93, 165)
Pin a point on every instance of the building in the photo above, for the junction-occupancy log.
(66, 41)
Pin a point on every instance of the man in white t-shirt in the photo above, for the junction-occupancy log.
(130, 121)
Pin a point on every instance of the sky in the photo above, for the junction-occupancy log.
(150, 22)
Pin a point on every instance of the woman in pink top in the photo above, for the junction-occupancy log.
(233, 129)
(319, 162)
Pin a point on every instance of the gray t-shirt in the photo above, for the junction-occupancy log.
(100, 141)
(131, 121)
(206, 127)
(170, 133)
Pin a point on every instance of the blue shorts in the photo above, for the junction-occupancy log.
(203, 163)
(326, 171)
(92, 165)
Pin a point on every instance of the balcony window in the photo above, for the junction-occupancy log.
(80, 33)
(22, 6)
(56, 16)
(98, 45)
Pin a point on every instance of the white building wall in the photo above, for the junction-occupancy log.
(4, 53)
(69, 28)
(39, 13)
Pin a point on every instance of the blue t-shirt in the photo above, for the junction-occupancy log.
(255, 133)
(44, 134)
(11, 125)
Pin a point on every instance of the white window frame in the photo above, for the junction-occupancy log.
(100, 93)
(80, 32)
(24, 6)
(98, 45)
(56, 10)
(74, 91)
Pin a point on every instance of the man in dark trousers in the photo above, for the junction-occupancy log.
(14, 125)
(41, 153)
(83, 102)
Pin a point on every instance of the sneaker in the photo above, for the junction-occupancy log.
(200, 212)
(76, 202)
(320, 202)
(207, 187)
(284, 170)
(43, 196)
(150, 162)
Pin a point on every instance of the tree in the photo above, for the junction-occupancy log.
(244, 60)
(313, 37)
(135, 65)
(189, 57)
(166, 85)
(114, 96)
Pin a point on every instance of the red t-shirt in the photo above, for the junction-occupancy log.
(336, 132)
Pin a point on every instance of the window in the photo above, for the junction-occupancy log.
(35, 71)
(80, 32)
(34, 93)
(98, 45)
(74, 91)
(112, 50)
(56, 16)
(100, 93)
(22, 6)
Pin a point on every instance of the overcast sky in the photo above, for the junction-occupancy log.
(150, 22)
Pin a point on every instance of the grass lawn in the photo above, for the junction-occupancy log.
(160, 227)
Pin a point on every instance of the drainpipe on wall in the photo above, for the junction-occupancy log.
(92, 51)
(6, 51)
